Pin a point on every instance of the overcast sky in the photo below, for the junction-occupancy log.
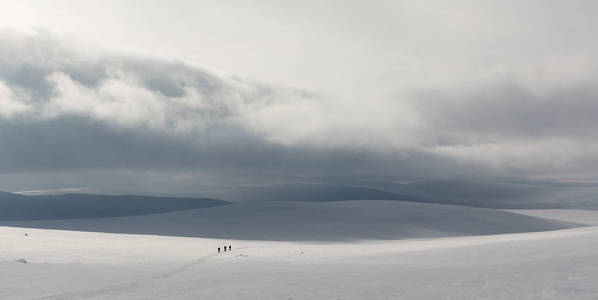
(143, 96)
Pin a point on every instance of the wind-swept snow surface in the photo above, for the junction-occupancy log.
(308, 221)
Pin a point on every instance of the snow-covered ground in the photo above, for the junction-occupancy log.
(558, 264)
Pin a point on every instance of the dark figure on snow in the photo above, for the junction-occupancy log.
(224, 248)
(218, 249)
(229, 248)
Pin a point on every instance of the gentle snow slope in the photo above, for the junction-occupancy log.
(305, 221)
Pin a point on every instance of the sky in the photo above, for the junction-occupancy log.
(155, 96)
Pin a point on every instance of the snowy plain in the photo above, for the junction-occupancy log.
(66, 264)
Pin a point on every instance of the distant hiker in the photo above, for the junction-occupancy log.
(229, 248)
(218, 249)
(224, 248)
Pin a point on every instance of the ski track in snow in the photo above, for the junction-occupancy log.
(115, 289)
(192, 264)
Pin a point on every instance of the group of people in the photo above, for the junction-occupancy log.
(229, 248)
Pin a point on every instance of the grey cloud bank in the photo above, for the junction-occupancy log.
(482, 97)
(68, 111)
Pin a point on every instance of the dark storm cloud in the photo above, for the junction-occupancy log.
(76, 143)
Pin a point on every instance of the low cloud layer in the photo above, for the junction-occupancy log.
(78, 109)
(68, 110)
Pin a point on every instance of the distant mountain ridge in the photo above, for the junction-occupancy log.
(500, 195)
(74, 206)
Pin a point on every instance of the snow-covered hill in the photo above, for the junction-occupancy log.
(309, 221)
(369, 249)
(86, 265)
